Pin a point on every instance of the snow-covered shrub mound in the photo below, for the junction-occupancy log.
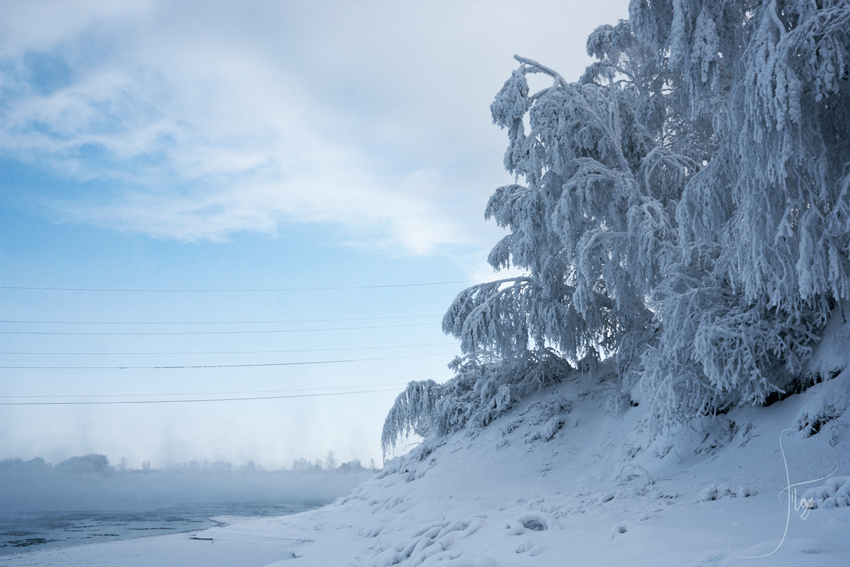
(534, 522)
(832, 354)
(551, 414)
(834, 493)
(431, 542)
(825, 403)
(718, 491)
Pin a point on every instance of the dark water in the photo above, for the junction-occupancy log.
(27, 531)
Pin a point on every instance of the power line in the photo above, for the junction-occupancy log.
(201, 366)
(233, 351)
(254, 332)
(208, 393)
(215, 322)
(97, 403)
(254, 290)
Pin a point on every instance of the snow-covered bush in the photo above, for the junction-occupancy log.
(483, 389)
(834, 493)
(825, 403)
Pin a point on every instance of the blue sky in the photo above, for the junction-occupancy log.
(235, 146)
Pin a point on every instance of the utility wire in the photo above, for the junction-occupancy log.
(243, 393)
(214, 322)
(255, 290)
(235, 351)
(197, 366)
(97, 403)
(212, 332)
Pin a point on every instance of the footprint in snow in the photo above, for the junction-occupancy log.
(619, 529)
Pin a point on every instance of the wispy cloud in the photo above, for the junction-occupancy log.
(208, 119)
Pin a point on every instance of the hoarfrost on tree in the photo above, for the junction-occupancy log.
(684, 208)
(764, 245)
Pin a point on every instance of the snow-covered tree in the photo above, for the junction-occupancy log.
(330, 461)
(684, 207)
(303, 465)
(594, 223)
(586, 224)
(764, 227)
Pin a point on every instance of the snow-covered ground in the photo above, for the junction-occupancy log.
(557, 481)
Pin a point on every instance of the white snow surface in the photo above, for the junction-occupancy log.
(580, 488)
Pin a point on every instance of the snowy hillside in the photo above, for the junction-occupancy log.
(557, 481)
(668, 381)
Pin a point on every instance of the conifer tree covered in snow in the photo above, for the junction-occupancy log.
(683, 208)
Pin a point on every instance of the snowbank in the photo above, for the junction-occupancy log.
(552, 484)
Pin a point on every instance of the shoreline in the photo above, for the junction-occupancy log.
(597, 491)
(33, 533)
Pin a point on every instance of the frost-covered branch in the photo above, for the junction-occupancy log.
(483, 388)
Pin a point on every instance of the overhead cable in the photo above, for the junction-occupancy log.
(233, 351)
(198, 366)
(246, 290)
(214, 322)
(193, 401)
(253, 332)
(242, 393)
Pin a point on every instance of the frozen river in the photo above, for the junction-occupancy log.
(26, 531)
(84, 500)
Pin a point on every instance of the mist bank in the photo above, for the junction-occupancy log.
(91, 483)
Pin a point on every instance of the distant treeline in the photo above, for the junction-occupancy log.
(95, 463)
(89, 482)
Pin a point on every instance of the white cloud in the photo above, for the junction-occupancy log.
(27, 25)
(211, 119)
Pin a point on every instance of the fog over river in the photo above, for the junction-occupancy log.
(85, 500)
